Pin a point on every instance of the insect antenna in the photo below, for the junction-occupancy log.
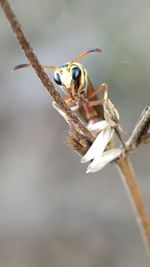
(84, 53)
(18, 67)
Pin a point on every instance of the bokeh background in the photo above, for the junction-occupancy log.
(51, 212)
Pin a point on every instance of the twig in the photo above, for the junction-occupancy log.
(135, 139)
(145, 139)
(138, 136)
(39, 70)
(129, 180)
(139, 131)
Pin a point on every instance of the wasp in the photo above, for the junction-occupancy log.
(81, 96)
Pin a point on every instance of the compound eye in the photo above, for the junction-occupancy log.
(57, 78)
(75, 73)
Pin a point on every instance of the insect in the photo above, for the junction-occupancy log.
(81, 96)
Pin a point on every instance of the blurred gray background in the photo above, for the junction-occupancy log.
(52, 212)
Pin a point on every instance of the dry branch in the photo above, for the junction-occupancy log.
(129, 180)
(139, 134)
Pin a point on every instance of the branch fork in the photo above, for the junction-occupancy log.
(82, 137)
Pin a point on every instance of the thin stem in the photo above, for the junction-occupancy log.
(140, 130)
(24, 43)
(128, 176)
(123, 163)
(145, 139)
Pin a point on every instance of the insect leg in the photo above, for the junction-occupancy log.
(70, 103)
(68, 100)
(95, 103)
(100, 88)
